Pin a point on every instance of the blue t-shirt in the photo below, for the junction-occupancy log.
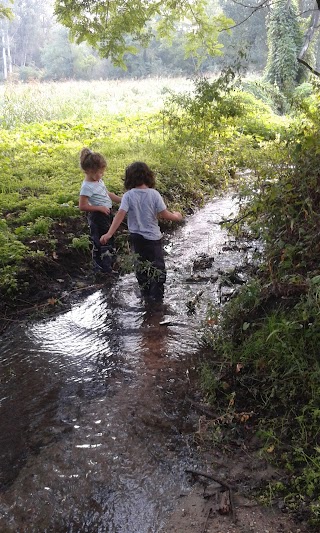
(143, 206)
(97, 193)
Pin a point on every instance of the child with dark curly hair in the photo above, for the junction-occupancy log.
(144, 205)
(96, 201)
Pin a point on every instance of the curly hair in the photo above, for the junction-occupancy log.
(137, 174)
(91, 160)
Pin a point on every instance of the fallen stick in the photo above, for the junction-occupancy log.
(206, 522)
(220, 482)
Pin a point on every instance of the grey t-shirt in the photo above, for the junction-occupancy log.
(143, 206)
(97, 193)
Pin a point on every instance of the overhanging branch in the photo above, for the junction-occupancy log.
(314, 71)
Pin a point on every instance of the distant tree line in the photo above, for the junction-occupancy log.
(36, 46)
(262, 36)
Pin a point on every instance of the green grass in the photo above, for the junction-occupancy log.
(22, 103)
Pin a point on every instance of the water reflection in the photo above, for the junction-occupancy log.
(86, 431)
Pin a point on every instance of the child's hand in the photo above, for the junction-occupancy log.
(104, 238)
(178, 215)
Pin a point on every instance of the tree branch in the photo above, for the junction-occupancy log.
(258, 6)
(244, 20)
(308, 39)
(303, 62)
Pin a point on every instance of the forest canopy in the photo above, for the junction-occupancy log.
(73, 39)
(107, 25)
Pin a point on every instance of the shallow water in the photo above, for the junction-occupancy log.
(95, 429)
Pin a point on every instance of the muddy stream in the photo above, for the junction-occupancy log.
(95, 427)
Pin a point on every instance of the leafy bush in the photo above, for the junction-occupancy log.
(40, 226)
(217, 115)
(81, 243)
(12, 250)
(268, 93)
(269, 334)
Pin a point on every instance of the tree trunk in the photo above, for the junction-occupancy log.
(310, 32)
(4, 55)
(308, 39)
(9, 54)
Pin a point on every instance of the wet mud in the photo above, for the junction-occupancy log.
(96, 430)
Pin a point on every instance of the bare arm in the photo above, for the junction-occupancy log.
(85, 206)
(170, 215)
(114, 197)
(114, 226)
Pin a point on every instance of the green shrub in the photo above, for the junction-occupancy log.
(11, 249)
(40, 226)
(267, 93)
(81, 243)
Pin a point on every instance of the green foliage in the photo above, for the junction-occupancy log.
(221, 121)
(247, 38)
(284, 44)
(269, 361)
(210, 382)
(90, 102)
(140, 20)
(81, 243)
(303, 91)
(6, 12)
(28, 32)
(62, 59)
(268, 93)
(267, 338)
(12, 251)
(40, 226)
(8, 281)
(39, 161)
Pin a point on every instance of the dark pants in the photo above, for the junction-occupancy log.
(103, 257)
(149, 266)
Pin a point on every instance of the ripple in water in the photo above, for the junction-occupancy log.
(87, 430)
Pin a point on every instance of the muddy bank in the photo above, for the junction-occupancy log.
(100, 423)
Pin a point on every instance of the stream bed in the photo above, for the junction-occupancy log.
(95, 427)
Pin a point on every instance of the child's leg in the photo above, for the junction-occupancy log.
(103, 257)
(159, 275)
(150, 266)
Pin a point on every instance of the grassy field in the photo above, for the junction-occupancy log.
(22, 103)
